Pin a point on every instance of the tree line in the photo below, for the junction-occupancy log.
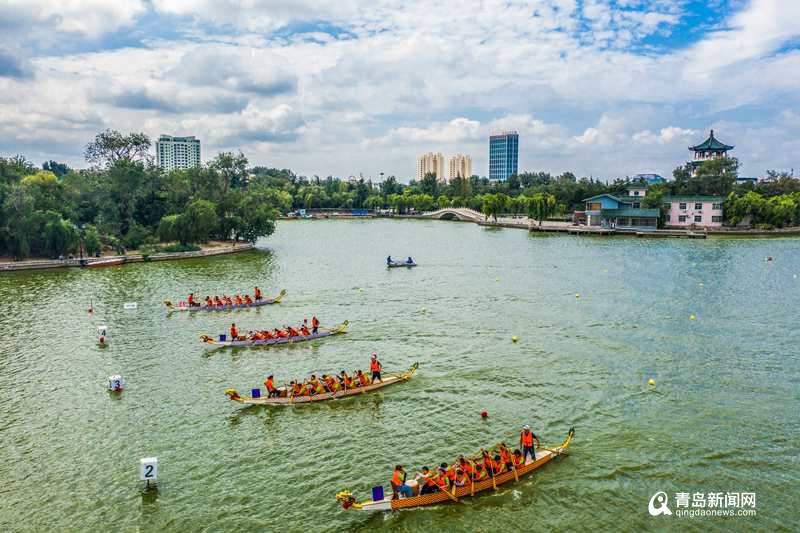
(125, 202)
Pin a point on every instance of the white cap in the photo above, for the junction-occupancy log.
(374, 355)
(526, 426)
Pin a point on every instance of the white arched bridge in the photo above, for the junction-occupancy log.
(456, 213)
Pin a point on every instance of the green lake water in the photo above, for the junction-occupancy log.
(723, 416)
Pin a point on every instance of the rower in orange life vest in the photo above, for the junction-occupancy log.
(258, 293)
(234, 332)
(272, 392)
(191, 301)
(426, 480)
(314, 324)
(304, 330)
(526, 439)
(399, 486)
(375, 368)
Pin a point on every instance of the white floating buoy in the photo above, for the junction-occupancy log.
(148, 469)
(102, 331)
(116, 383)
(129, 305)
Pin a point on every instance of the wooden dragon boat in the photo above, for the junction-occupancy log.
(322, 333)
(543, 456)
(400, 264)
(266, 301)
(286, 398)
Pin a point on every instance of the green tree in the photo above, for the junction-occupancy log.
(111, 146)
(429, 185)
(91, 239)
(59, 236)
(374, 202)
(232, 169)
(541, 206)
(201, 219)
(59, 169)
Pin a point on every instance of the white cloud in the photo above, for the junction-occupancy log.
(88, 17)
(366, 87)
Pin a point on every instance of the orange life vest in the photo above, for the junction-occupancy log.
(258, 292)
(362, 379)
(314, 322)
(397, 478)
(503, 456)
(234, 333)
(270, 386)
(375, 366)
(527, 438)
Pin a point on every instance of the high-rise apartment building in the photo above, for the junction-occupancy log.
(430, 163)
(503, 155)
(177, 153)
(460, 166)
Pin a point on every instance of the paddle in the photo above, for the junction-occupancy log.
(453, 495)
(471, 480)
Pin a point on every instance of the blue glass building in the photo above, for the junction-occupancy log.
(503, 155)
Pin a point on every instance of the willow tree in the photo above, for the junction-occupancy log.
(541, 205)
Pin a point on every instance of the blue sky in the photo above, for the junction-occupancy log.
(605, 88)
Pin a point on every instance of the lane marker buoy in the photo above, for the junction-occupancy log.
(651, 381)
(514, 338)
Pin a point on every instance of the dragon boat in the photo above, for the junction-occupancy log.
(184, 307)
(222, 342)
(286, 398)
(543, 456)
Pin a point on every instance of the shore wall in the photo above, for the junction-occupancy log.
(44, 264)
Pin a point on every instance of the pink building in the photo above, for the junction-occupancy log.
(693, 211)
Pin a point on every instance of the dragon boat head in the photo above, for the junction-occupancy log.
(233, 395)
(347, 500)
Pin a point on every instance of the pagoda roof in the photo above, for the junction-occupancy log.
(711, 145)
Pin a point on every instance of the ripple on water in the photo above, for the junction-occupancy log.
(722, 417)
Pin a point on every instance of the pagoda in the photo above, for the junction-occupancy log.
(711, 148)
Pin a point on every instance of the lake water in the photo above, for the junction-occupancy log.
(723, 416)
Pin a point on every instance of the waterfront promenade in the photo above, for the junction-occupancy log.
(44, 264)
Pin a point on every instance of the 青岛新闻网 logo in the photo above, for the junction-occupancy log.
(658, 504)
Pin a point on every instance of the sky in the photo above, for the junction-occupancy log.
(601, 88)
